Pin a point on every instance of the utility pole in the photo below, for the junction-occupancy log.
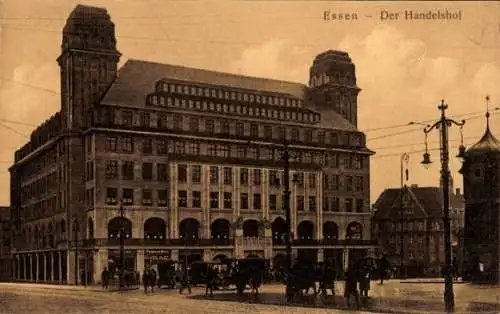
(442, 125)
(404, 159)
(76, 229)
(286, 204)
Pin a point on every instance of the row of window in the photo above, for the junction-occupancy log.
(262, 111)
(335, 77)
(126, 144)
(192, 90)
(41, 187)
(234, 128)
(224, 200)
(41, 209)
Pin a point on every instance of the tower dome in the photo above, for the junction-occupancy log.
(488, 142)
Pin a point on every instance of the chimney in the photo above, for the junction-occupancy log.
(457, 191)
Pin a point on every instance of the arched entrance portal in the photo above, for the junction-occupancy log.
(154, 228)
(220, 229)
(306, 230)
(279, 230)
(116, 224)
(251, 228)
(189, 229)
(330, 231)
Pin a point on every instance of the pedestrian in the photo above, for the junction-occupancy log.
(185, 281)
(351, 283)
(383, 266)
(364, 277)
(105, 278)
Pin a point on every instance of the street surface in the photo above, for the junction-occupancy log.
(392, 297)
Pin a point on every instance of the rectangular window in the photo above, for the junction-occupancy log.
(240, 131)
(254, 130)
(111, 144)
(359, 205)
(256, 176)
(257, 202)
(214, 200)
(162, 121)
(182, 173)
(162, 147)
(312, 203)
(128, 170)
(161, 172)
(300, 202)
(335, 204)
(273, 202)
(326, 205)
(195, 174)
(348, 205)
(228, 200)
(299, 176)
(127, 144)
(196, 199)
(228, 176)
(358, 162)
(358, 186)
(194, 149)
(241, 152)
(162, 198)
(147, 171)
(194, 124)
(147, 146)
(111, 196)
(214, 175)
(243, 201)
(348, 183)
(312, 180)
(180, 147)
(224, 128)
(147, 197)
(128, 196)
(178, 122)
(127, 118)
(111, 169)
(243, 176)
(145, 119)
(182, 198)
(212, 150)
(268, 131)
(210, 127)
(273, 178)
(321, 137)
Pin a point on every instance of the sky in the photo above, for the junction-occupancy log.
(403, 67)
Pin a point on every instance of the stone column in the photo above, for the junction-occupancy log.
(44, 258)
(37, 258)
(319, 206)
(25, 266)
(207, 255)
(32, 265)
(321, 255)
(205, 204)
(139, 261)
(346, 258)
(59, 269)
(172, 202)
(51, 266)
(18, 271)
(265, 193)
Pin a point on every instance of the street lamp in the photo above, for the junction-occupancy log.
(442, 125)
(405, 158)
(122, 244)
(286, 156)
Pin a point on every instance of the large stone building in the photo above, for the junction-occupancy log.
(5, 244)
(193, 156)
(409, 221)
(481, 173)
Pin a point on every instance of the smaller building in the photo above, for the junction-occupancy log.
(481, 174)
(408, 224)
(5, 244)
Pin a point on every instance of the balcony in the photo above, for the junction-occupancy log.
(326, 242)
(159, 242)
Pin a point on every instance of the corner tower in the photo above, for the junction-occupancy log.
(332, 83)
(88, 62)
(481, 174)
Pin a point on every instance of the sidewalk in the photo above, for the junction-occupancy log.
(429, 280)
(94, 288)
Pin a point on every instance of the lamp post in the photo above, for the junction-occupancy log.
(122, 245)
(76, 230)
(442, 125)
(405, 157)
(286, 156)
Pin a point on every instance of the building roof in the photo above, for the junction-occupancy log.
(429, 199)
(136, 79)
(487, 143)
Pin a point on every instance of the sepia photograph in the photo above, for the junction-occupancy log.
(249, 156)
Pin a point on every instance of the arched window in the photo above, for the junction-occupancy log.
(354, 231)
(279, 229)
(251, 228)
(154, 228)
(330, 231)
(220, 229)
(116, 224)
(306, 230)
(189, 229)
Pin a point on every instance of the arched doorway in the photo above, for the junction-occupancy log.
(220, 229)
(306, 230)
(114, 226)
(330, 231)
(354, 231)
(220, 257)
(250, 228)
(154, 228)
(189, 229)
(279, 229)
(90, 228)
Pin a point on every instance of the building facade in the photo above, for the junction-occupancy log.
(194, 159)
(408, 223)
(5, 244)
(481, 174)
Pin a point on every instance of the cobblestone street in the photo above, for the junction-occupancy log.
(392, 297)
